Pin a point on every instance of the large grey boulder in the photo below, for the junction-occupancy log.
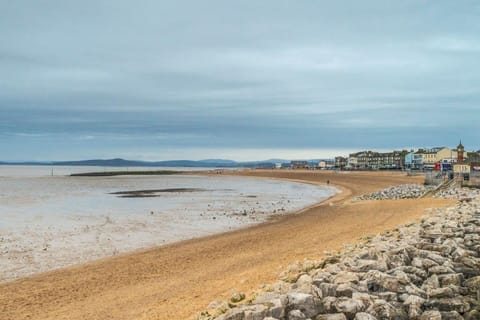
(255, 312)
(349, 306)
(306, 303)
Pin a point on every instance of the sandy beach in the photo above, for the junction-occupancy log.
(53, 222)
(176, 281)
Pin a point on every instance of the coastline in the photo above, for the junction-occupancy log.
(66, 221)
(133, 286)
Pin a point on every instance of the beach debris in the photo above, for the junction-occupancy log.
(424, 270)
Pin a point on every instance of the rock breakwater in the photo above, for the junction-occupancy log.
(404, 191)
(424, 270)
(458, 193)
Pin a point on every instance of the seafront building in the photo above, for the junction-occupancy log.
(299, 164)
(438, 158)
(439, 154)
(467, 169)
(414, 160)
(376, 160)
(340, 162)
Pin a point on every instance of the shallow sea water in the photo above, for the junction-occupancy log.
(48, 222)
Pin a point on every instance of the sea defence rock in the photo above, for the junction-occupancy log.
(404, 191)
(457, 193)
(425, 270)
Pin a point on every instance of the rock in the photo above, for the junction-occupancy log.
(218, 305)
(329, 304)
(346, 277)
(366, 265)
(333, 316)
(431, 283)
(304, 279)
(321, 277)
(296, 315)
(328, 289)
(431, 315)
(379, 281)
(387, 296)
(364, 316)
(455, 279)
(349, 307)
(344, 290)
(266, 297)
(423, 263)
(411, 270)
(473, 283)
(255, 312)
(233, 314)
(472, 315)
(414, 290)
(381, 309)
(440, 270)
(237, 297)
(275, 302)
(405, 191)
(414, 304)
(309, 305)
(280, 287)
(364, 297)
(451, 315)
(452, 304)
(445, 292)
(276, 308)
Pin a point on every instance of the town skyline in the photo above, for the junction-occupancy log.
(271, 159)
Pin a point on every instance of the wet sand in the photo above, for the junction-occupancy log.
(54, 222)
(178, 280)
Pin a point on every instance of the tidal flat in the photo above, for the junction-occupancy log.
(49, 222)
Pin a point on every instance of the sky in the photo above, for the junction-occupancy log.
(241, 80)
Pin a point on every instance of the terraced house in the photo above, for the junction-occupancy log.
(438, 154)
(377, 160)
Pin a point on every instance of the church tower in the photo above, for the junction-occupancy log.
(460, 152)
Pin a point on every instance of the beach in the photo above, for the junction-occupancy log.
(177, 280)
(49, 222)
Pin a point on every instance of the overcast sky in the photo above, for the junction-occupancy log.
(245, 80)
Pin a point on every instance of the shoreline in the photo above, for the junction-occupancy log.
(173, 209)
(240, 259)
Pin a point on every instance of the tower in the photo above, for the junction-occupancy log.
(460, 152)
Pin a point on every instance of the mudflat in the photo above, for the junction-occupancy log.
(176, 281)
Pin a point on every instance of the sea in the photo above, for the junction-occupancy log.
(50, 220)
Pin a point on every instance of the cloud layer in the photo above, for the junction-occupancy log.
(163, 80)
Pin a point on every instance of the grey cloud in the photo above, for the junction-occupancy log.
(238, 74)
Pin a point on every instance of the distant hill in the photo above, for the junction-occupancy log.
(217, 161)
(118, 162)
(135, 163)
(103, 163)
